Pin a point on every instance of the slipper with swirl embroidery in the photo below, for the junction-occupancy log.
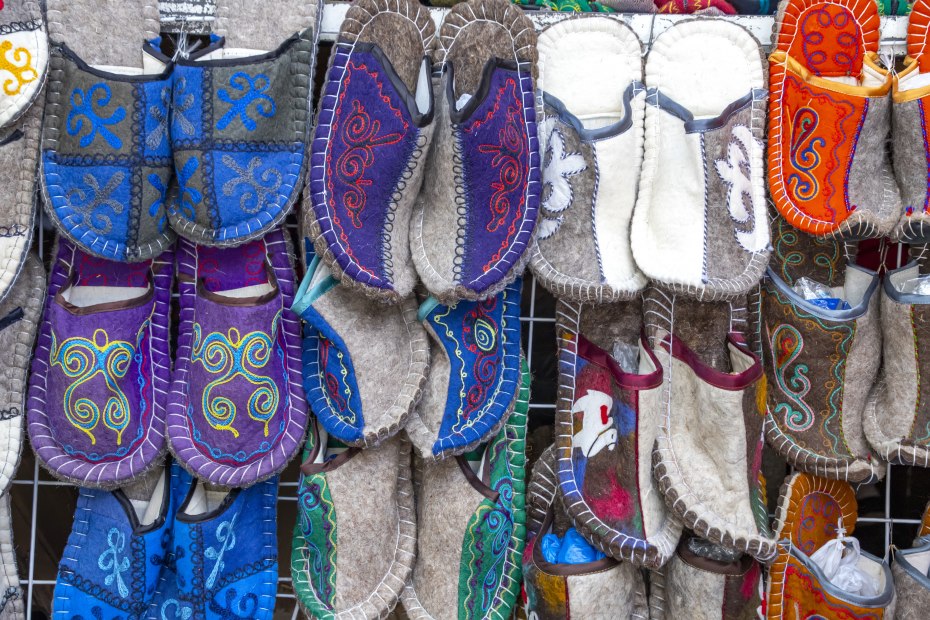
(23, 57)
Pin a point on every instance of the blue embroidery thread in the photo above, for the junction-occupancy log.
(252, 91)
(83, 113)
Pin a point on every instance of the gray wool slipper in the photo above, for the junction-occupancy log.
(19, 322)
(911, 583)
(475, 216)
(590, 104)
(706, 234)
(369, 148)
(23, 57)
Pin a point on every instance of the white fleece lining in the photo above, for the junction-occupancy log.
(650, 404)
(83, 296)
(920, 561)
(857, 283)
(913, 80)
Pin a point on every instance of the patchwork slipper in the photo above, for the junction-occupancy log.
(694, 586)
(591, 102)
(119, 548)
(911, 583)
(829, 121)
(477, 211)
(820, 366)
(23, 57)
(370, 144)
(471, 516)
(604, 440)
(707, 234)
(474, 379)
(106, 158)
(364, 363)
(355, 540)
(603, 588)
(236, 413)
(240, 122)
(708, 453)
(897, 417)
(911, 96)
(19, 322)
(11, 594)
(98, 388)
(811, 512)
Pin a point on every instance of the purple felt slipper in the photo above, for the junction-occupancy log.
(237, 413)
(98, 387)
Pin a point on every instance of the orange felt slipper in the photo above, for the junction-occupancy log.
(829, 119)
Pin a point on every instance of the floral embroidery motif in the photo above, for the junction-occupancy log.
(228, 355)
(85, 114)
(181, 611)
(819, 55)
(181, 102)
(803, 184)
(226, 537)
(160, 114)
(92, 201)
(259, 189)
(558, 168)
(332, 359)
(19, 65)
(83, 360)
(317, 524)
(244, 608)
(158, 204)
(787, 344)
(112, 560)
(190, 196)
(506, 161)
(735, 172)
(252, 91)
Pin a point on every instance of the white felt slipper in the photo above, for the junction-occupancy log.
(23, 57)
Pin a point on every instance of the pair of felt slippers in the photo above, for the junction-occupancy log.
(103, 397)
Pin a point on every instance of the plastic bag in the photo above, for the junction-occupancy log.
(819, 294)
(572, 549)
(838, 559)
(917, 286)
(707, 549)
(626, 356)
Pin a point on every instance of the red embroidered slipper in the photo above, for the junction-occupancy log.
(829, 171)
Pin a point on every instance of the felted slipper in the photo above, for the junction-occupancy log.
(474, 380)
(11, 594)
(106, 158)
(796, 255)
(829, 120)
(369, 148)
(364, 363)
(355, 539)
(696, 7)
(240, 122)
(897, 417)
(707, 234)
(19, 321)
(23, 58)
(820, 365)
(99, 381)
(476, 214)
(699, 587)
(708, 453)
(592, 105)
(236, 413)
(811, 512)
(541, 491)
(911, 583)
(471, 516)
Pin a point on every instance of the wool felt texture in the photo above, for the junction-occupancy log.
(796, 254)
(106, 157)
(474, 378)
(11, 594)
(604, 588)
(19, 321)
(705, 235)
(911, 584)
(708, 453)
(829, 121)
(699, 588)
(896, 417)
(541, 492)
(606, 424)
(240, 124)
(472, 529)
(236, 412)
(98, 385)
(820, 365)
(23, 58)
(120, 549)
(369, 147)
(475, 216)
(355, 540)
(591, 104)
(364, 363)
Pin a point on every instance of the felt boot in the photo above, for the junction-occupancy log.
(820, 365)
(364, 362)
(370, 145)
(591, 109)
(471, 520)
(811, 512)
(474, 380)
(98, 387)
(706, 234)
(708, 454)
(106, 157)
(240, 122)
(604, 440)
(829, 121)
(355, 540)
(236, 413)
(911, 583)
(475, 217)
(24, 45)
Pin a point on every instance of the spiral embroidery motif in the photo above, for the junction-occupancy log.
(479, 331)
(506, 161)
(787, 344)
(85, 114)
(19, 65)
(251, 90)
(803, 158)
